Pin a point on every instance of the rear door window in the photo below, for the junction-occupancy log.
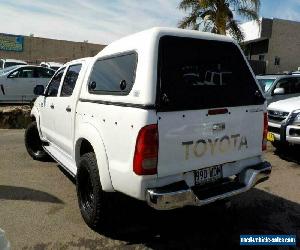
(207, 61)
(44, 72)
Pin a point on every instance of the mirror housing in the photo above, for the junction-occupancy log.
(92, 85)
(12, 76)
(39, 90)
(279, 91)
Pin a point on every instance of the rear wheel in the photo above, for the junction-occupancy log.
(91, 198)
(33, 143)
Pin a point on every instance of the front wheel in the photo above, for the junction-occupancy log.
(91, 198)
(33, 143)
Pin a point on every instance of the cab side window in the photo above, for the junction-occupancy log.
(290, 85)
(26, 72)
(53, 86)
(115, 75)
(70, 80)
(44, 72)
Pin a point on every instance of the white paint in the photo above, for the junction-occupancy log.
(112, 130)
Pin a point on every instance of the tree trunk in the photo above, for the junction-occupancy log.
(221, 17)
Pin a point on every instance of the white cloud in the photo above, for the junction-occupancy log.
(98, 21)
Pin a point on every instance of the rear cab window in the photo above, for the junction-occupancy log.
(220, 75)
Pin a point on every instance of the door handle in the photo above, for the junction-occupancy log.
(68, 109)
(52, 106)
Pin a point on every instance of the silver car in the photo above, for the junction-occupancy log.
(279, 87)
(5, 63)
(17, 82)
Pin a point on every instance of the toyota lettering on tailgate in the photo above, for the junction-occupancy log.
(213, 146)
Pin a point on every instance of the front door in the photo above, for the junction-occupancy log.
(65, 110)
(48, 109)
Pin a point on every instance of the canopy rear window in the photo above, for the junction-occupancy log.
(202, 74)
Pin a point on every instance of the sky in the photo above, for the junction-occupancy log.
(103, 21)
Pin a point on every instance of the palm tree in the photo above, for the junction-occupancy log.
(218, 16)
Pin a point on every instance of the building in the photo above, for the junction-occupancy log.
(36, 49)
(272, 45)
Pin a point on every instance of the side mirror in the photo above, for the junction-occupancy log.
(279, 91)
(12, 75)
(92, 85)
(39, 90)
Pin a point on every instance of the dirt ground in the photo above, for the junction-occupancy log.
(39, 210)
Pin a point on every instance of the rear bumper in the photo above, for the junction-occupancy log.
(180, 195)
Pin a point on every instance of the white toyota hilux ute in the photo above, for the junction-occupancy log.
(284, 121)
(140, 118)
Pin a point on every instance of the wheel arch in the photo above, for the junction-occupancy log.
(89, 139)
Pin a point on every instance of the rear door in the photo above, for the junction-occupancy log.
(203, 123)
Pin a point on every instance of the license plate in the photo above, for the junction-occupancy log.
(270, 137)
(206, 175)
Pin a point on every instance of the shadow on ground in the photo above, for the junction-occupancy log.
(210, 227)
(289, 153)
(22, 193)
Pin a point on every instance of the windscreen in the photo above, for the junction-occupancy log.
(202, 74)
(8, 69)
(266, 83)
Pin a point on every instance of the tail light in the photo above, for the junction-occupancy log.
(265, 133)
(146, 151)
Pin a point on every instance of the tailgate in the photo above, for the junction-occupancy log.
(191, 140)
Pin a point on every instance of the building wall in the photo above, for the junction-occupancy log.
(285, 44)
(38, 49)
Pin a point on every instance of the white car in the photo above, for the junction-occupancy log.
(18, 82)
(126, 121)
(5, 63)
(52, 65)
(284, 121)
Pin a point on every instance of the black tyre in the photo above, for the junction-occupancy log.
(92, 200)
(33, 143)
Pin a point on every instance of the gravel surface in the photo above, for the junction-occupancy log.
(39, 210)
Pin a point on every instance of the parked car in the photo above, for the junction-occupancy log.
(279, 87)
(284, 122)
(52, 65)
(17, 82)
(5, 63)
(127, 121)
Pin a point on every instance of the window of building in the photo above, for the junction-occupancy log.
(277, 60)
(261, 57)
(114, 76)
(53, 86)
(70, 80)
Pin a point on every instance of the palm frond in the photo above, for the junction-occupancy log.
(235, 31)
